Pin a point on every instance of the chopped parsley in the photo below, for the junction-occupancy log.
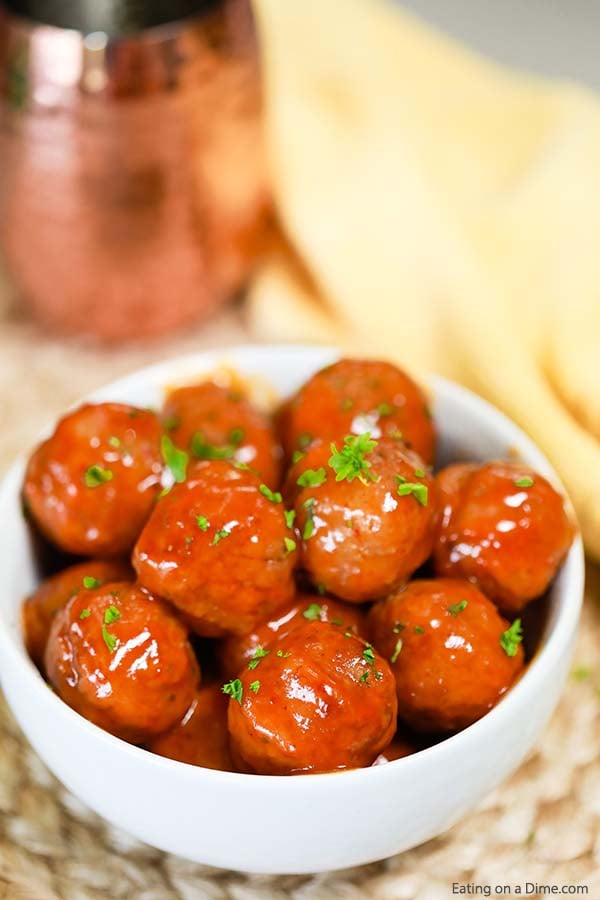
(313, 612)
(368, 655)
(202, 523)
(350, 462)
(398, 627)
(283, 655)
(407, 488)
(309, 525)
(297, 455)
(255, 687)
(511, 638)
(90, 582)
(85, 613)
(114, 442)
(290, 515)
(218, 536)
(176, 460)
(364, 678)
(259, 654)
(419, 630)
(312, 478)
(273, 496)
(290, 544)
(397, 650)
(305, 440)
(201, 449)
(236, 436)
(234, 689)
(525, 482)
(97, 475)
(457, 608)
(109, 639)
(111, 615)
(419, 473)
(385, 409)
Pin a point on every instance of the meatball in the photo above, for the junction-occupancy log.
(503, 527)
(91, 486)
(365, 513)
(122, 659)
(201, 738)
(318, 701)
(40, 608)
(353, 396)
(452, 653)
(219, 548)
(215, 423)
(237, 650)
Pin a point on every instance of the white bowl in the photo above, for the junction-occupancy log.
(301, 823)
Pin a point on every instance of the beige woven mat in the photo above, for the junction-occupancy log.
(542, 826)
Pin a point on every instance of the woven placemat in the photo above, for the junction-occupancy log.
(542, 826)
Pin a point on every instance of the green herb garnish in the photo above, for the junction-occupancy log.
(385, 409)
(236, 436)
(297, 455)
(172, 423)
(114, 442)
(312, 478)
(202, 523)
(368, 655)
(255, 687)
(111, 615)
(525, 482)
(419, 630)
(273, 496)
(457, 608)
(397, 650)
(312, 612)
(290, 515)
(97, 475)
(398, 627)
(109, 639)
(290, 544)
(176, 460)
(90, 582)
(283, 655)
(305, 440)
(309, 525)
(234, 689)
(511, 638)
(258, 654)
(85, 613)
(201, 449)
(218, 536)
(350, 462)
(407, 488)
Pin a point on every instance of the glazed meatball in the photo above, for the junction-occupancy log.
(122, 659)
(452, 654)
(215, 423)
(353, 396)
(201, 738)
(218, 547)
(503, 527)
(92, 485)
(237, 650)
(318, 701)
(365, 513)
(40, 608)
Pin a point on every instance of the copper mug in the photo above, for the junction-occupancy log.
(132, 188)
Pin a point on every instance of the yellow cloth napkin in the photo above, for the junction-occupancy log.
(446, 213)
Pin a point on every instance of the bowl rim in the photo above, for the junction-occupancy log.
(555, 643)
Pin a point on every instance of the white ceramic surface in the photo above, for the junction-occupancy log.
(302, 823)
